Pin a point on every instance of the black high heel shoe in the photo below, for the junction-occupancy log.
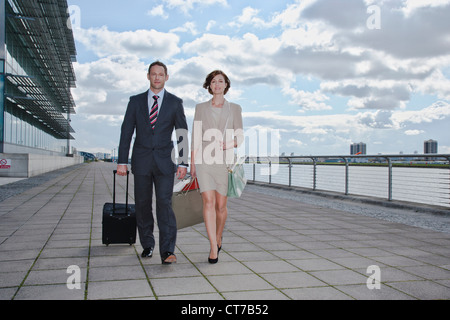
(213, 261)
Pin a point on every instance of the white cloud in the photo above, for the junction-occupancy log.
(421, 34)
(362, 121)
(250, 17)
(413, 132)
(187, 27)
(247, 60)
(187, 5)
(158, 11)
(344, 128)
(316, 35)
(104, 85)
(412, 5)
(211, 24)
(308, 100)
(435, 84)
(142, 43)
(295, 142)
(291, 17)
(437, 111)
(371, 94)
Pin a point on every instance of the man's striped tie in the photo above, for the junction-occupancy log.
(154, 112)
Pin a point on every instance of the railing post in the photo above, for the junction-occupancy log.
(314, 173)
(448, 159)
(270, 171)
(346, 175)
(389, 178)
(290, 172)
(254, 169)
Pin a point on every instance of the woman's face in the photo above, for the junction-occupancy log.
(218, 84)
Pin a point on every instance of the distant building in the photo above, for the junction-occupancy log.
(103, 156)
(358, 148)
(430, 146)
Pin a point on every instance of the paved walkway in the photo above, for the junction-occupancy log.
(273, 248)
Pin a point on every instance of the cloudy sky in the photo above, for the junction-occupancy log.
(324, 73)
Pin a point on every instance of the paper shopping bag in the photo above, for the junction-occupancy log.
(188, 206)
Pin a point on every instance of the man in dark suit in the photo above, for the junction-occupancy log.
(154, 115)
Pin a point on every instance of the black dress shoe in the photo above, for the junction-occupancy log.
(147, 253)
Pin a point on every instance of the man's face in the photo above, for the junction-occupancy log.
(158, 78)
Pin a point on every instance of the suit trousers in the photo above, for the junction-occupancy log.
(167, 225)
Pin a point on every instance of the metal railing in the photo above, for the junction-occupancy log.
(421, 178)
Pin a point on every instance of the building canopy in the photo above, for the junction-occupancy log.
(41, 40)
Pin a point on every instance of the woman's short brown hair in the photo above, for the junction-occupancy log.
(211, 76)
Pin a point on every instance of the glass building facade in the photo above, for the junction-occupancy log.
(37, 50)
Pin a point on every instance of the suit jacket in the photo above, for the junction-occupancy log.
(229, 125)
(154, 144)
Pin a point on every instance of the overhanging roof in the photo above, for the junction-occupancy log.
(39, 28)
(31, 98)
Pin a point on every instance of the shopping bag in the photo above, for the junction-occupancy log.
(179, 185)
(193, 185)
(188, 205)
(236, 179)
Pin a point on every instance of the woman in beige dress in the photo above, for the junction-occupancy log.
(217, 130)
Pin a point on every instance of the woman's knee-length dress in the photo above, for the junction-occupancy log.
(211, 164)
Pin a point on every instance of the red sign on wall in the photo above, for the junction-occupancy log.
(5, 164)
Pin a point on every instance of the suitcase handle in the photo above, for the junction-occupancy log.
(114, 193)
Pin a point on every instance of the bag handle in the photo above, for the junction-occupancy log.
(114, 192)
(188, 186)
(238, 159)
(224, 133)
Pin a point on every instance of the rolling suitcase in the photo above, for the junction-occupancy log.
(119, 220)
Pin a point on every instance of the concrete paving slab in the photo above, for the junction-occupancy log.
(129, 289)
(316, 293)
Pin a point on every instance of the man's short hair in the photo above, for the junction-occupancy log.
(158, 63)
